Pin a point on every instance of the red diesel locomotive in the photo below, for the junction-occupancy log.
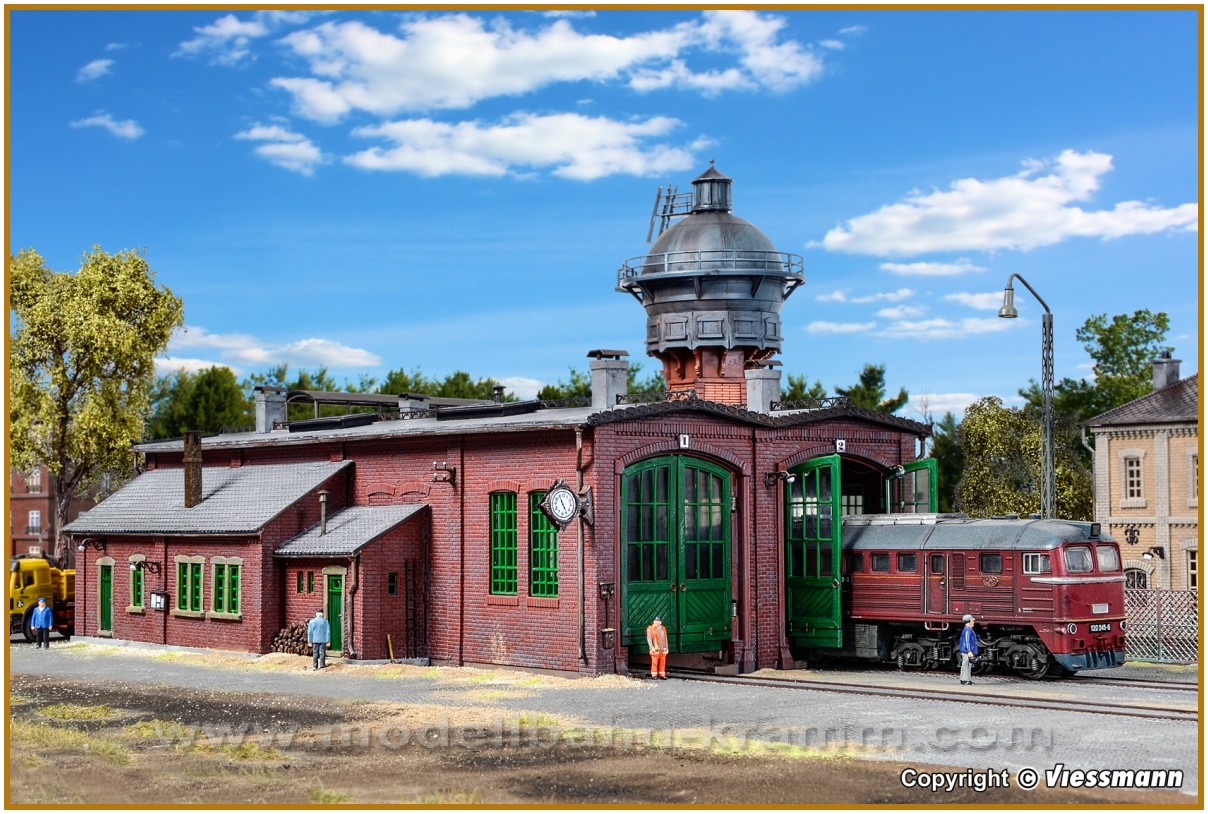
(1048, 595)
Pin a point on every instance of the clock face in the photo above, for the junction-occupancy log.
(563, 504)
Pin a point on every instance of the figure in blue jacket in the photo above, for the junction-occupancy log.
(42, 619)
(318, 633)
(968, 649)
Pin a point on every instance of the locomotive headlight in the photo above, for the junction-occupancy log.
(1123, 624)
(1071, 628)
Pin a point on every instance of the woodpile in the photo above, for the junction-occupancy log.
(292, 639)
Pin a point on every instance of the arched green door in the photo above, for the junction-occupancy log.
(812, 554)
(675, 553)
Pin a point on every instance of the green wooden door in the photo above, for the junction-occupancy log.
(105, 598)
(915, 491)
(812, 552)
(335, 611)
(675, 553)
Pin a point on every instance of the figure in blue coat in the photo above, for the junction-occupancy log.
(318, 633)
(968, 649)
(42, 619)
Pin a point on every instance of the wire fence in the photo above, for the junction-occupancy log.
(1163, 626)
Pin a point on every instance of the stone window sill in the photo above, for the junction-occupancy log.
(228, 617)
(136, 609)
(499, 599)
(188, 614)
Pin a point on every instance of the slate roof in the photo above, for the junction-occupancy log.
(348, 531)
(238, 500)
(1174, 403)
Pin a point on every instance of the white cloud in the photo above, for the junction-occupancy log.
(834, 296)
(283, 147)
(128, 129)
(243, 351)
(901, 312)
(94, 70)
(453, 61)
(1035, 207)
(522, 387)
(990, 301)
(228, 39)
(945, 328)
(940, 403)
(166, 365)
(574, 146)
(822, 327)
(932, 269)
(853, 30)
(834, 45)
(886, 296)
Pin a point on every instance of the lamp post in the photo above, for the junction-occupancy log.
(1048, 465)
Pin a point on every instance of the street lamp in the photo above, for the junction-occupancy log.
(1048, 466)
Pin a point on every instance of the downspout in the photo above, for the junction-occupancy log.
(580, 552)
(459, 495)
(354, 562)
(1088, 447)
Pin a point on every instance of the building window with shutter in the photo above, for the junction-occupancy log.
(503, 543)
(1193, 575)
(189, 586)
(543, 550)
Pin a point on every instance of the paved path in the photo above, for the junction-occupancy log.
(947, 733)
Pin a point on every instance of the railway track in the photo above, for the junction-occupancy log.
(990, 696)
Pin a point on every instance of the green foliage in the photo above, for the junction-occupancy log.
(1002, 449)
(800, 389)
(208, 400)
(1123, 349)
(457, 385)
(950, 460)
(82, 364)
(579, 385)
(869, 393)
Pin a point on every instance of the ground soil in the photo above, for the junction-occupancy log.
(165, 745)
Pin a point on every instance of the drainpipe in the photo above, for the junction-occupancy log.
(354, 562)
(579, 553)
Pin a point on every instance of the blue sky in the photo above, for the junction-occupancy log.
(373, 190)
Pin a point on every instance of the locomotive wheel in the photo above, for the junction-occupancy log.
(911, 657)
(980, 668)
(1038, 665)
(27, 627)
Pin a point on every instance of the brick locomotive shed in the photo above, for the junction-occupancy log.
(426, 532)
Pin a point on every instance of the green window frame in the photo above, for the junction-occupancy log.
(543, 550)
(503, 543)
(136, 588)
(392, 583)
(226, 587)
(300, 576)
(188, 586)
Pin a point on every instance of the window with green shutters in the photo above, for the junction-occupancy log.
(543, 550)
(226, 587)
(188, 586)
(503, 542)
(136, 588)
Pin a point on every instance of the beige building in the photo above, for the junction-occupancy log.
(1147, 467)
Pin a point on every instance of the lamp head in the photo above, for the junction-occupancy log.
(1008, 310)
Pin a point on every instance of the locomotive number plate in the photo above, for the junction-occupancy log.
(1101, 627)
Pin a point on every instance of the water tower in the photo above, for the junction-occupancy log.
(712, 286)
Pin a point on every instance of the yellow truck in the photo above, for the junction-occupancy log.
(30, 578)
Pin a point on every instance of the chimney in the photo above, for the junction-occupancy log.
(1165, 371)
(413, 402)
(763, 387)
(322, 512)
(609, 377)
(192, 461)
(270, 407)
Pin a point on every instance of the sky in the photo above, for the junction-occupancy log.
(374, 190)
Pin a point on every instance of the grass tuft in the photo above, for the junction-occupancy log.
(47, 736)
(75, 712)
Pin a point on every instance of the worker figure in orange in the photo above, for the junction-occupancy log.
(656, 638)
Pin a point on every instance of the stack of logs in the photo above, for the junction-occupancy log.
(292, 639)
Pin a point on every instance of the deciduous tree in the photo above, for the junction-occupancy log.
(81, 365)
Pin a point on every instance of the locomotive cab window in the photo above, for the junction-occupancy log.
(990, 563)
(908, 563)
(1108, 557)
(880, 563)
(1078, 560)
(1037, 564)
(855, 562)
(937, 563)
